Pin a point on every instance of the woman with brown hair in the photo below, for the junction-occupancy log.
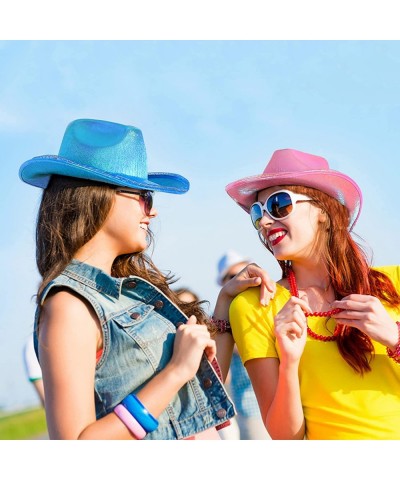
(122, 356)
(324, 355)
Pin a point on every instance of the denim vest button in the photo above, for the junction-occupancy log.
(207, 383)
(131, 284)
(135, 315)
(221, 413)
(159, 304)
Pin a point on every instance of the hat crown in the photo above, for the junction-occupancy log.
(102, 151)
(105, 145)
(289, 160)
(292, 167)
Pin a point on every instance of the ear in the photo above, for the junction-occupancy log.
(324, 218)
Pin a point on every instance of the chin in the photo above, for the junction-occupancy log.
(280, 257)
(140, 249)
(132, 249)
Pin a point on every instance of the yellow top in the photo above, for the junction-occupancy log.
(338, 403)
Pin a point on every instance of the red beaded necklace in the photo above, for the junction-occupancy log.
(295, 293)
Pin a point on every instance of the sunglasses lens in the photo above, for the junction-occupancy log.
(279, 205)
(145, 196)
(256, 215)
(148, 202)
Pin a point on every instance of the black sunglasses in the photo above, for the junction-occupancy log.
(145, 195)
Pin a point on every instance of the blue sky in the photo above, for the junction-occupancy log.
(213, 111)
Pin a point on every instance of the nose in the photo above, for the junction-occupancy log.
(153, 212)
(265, 221)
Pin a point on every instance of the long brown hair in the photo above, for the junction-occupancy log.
(350, 272)
(71, 212)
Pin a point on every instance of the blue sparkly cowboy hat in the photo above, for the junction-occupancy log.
(105, 152)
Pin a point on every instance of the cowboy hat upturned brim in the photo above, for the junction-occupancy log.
(102, 151)
(38, 170)
(335, 184)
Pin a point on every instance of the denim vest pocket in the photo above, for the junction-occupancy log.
(131, 315)
(152, 333)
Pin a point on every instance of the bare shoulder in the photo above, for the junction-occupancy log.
(68, 319)
(69, 311)
(66, 303)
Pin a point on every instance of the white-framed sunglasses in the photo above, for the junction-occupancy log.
(279, 205)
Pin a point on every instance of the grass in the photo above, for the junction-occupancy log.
(23, 425)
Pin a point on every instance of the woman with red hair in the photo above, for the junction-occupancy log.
(324, 355)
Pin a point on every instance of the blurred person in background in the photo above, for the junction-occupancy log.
(186, 295)
(248, 424)
(32, 368)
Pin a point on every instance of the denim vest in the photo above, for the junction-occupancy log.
(139, 323)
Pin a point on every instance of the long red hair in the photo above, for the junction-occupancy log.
(350, 272)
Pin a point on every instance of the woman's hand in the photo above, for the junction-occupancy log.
(368, 315)
(251, 276)
(291, 329)
(191, 341)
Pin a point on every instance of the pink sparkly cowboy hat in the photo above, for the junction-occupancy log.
(291, 167)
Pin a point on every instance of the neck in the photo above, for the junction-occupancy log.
(311, 276)
(98, 255)
(313, 298)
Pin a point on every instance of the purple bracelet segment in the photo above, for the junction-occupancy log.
(395, 354)
(222, 326)
(130, 422)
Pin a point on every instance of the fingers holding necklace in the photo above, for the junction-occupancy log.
(367, 313)
(291, 319)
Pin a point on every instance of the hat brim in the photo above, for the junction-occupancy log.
(38, 170)
(335, 184)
